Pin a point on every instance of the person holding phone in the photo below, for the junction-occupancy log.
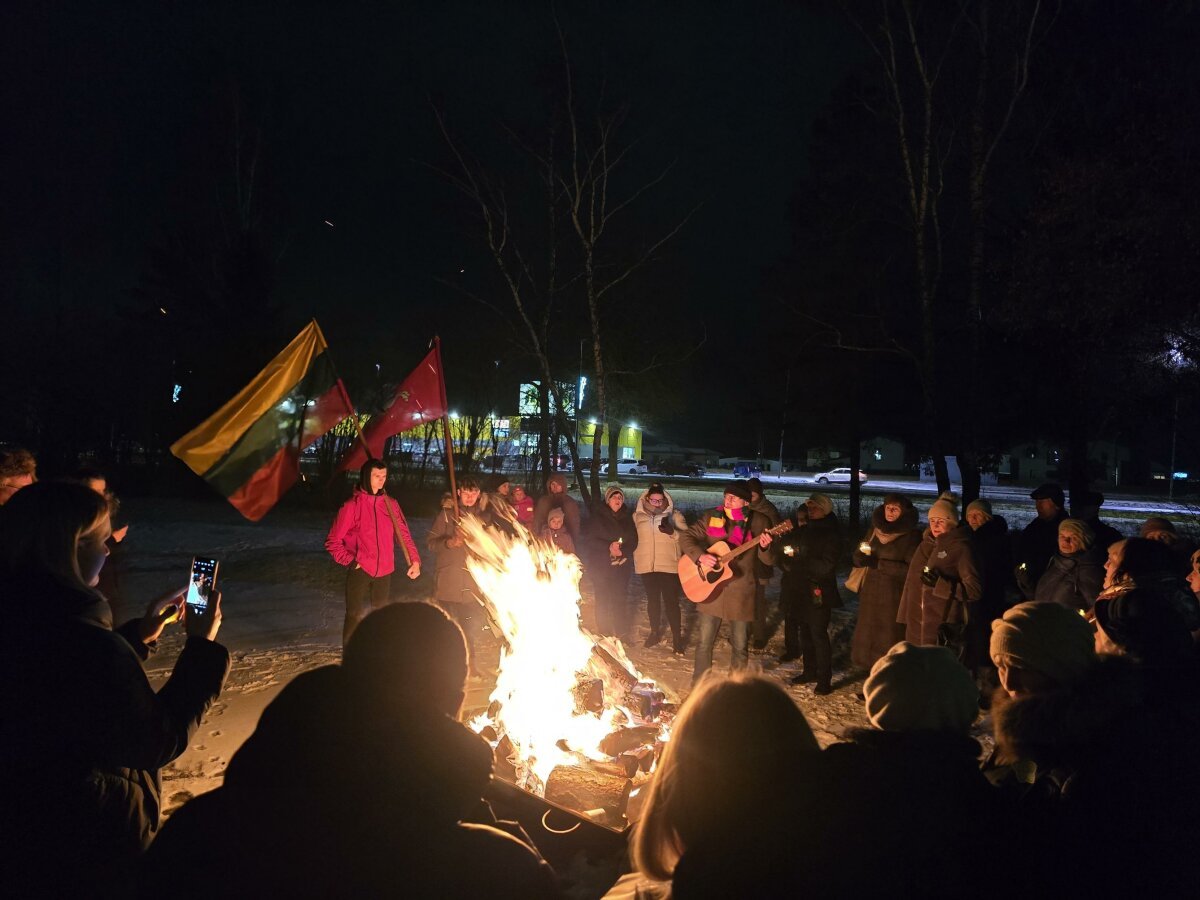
(84, 733)
(363, 538)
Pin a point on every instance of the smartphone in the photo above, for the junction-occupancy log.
(202, 583)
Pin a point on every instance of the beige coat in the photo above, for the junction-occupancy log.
(656, 550)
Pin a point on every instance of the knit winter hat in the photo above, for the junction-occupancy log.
(1046, 637)
(921, 689)
(755, 486)
(1082, 531)
(613, 489)
(981, 506)
(945, 507)
(555, 512)
(738, 489)
(822, 501)
(1146, 625)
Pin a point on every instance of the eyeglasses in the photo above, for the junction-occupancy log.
(657, 501)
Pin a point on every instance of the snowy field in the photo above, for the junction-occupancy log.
(283, 607)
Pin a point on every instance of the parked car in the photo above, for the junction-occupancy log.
(746, 470)
(628, 467)
(839, 476)
(686, 469)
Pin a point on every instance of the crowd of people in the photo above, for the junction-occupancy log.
(1080, 644)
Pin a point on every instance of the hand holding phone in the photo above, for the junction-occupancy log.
(203, 600)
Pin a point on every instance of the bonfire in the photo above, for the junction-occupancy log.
(571, 718)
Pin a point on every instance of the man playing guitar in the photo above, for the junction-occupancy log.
(735, 524)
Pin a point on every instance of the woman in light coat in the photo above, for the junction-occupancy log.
(656, 560)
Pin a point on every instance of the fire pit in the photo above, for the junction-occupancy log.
(571, 718)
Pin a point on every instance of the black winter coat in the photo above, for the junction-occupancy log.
(1038, 545)
(815, 549)
(603, 527)
(347, 793)
(83, 737)
(1073, 581)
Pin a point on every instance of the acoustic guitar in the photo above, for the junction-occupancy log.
(700, 583)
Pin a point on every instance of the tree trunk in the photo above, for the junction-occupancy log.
(855, 514)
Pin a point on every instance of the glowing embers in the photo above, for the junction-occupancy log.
(571, 717)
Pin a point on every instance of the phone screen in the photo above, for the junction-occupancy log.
(202, 583)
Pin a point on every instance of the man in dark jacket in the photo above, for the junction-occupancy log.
(734, 524)
(357, 782)
(762, 574)
(809, 593)
(1086, 506)
(1039, 540)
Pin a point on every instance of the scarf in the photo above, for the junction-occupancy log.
(732, 525)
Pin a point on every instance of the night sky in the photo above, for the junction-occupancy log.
(123, 119)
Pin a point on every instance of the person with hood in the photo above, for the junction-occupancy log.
(809, 556)
(1039, 541)
(363, 539)
(735, 524)
(1075, 575)
(455, 589)
(84, 734)
(656, 561)
(885, 552)
(942, 586)
(762, 575)
(556, 495)
(357, 782)
(609, 542)
(522, 505)
(906, 795)
(556, 532)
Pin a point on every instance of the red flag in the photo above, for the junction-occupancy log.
(420, 398)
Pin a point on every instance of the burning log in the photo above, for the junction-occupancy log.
(626, 739)
(589, 788)
(615, 667)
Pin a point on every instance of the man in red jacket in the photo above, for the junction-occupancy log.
(363, 538)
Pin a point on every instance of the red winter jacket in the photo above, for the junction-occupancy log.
(362, 533)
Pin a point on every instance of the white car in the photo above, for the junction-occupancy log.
(839, 476)
(628, 467)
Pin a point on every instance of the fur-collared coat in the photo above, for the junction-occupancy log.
(658, 531)
(951, 561)
(883, 584)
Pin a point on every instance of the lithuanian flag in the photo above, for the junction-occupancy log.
(249, 449)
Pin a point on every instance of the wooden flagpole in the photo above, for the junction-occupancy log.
(449, 438)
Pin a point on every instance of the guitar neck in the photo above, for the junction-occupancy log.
(738, 551)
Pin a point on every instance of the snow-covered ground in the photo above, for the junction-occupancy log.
(283, 609)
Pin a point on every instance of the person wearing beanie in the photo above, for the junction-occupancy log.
(1083, 739)
(809, 556)
(1039, 541)
(522, 505)
(942, 585)
(556, 495)
(607, 546)
(762, 573)
(907, 799)
(733, 524)
(1075, 575)
(656, 561)
(1041, 646)
(1145, 626)
(920, 689)
(884, 553)
(556, 533)
(993, 556)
